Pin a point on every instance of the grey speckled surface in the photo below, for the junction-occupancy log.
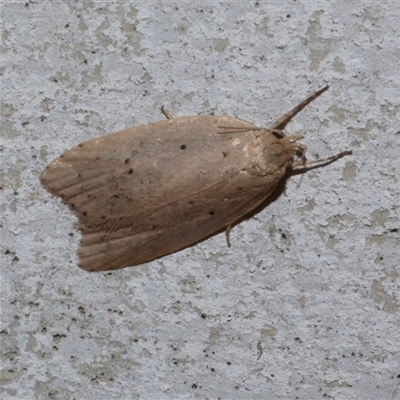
(312, 280)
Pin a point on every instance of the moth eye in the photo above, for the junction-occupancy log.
(183, 147)
(127, 161)
(211, 212)
(130, 171)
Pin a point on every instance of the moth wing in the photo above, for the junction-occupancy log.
(118, 179)
(148, 191)
(187, 221)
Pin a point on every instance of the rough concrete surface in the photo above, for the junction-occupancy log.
(305, 304)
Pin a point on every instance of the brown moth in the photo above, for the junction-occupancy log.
(145, 192)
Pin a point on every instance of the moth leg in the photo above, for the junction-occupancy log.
(282, 121)
(166, 113)
(227, 233)
(301, 149)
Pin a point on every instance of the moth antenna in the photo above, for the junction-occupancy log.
(236, 129)
(304, 163)
(282, 121)
(276, 132)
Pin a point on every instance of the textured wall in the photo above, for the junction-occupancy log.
(305, 304)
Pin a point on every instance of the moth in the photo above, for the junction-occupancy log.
(148, 191)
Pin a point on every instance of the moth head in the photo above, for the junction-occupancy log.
(299, 150)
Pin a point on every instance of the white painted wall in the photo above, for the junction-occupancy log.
(312, 279)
